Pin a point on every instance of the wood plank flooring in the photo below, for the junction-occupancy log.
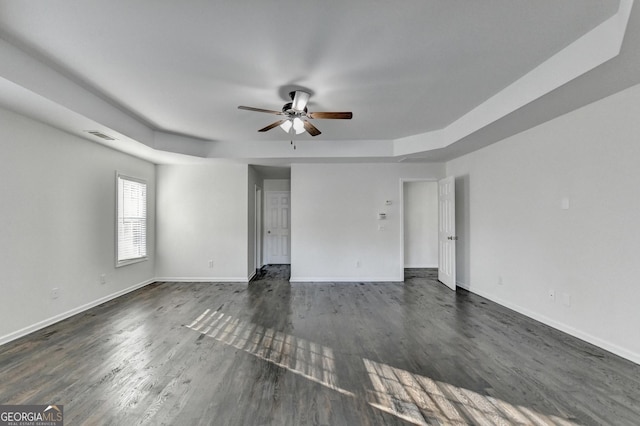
(280, 353)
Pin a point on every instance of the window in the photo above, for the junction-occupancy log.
(131, 241)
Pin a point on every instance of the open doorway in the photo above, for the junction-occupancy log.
(420, 228)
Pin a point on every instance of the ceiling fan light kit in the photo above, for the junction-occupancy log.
(297, 115)
(286, 126)
(296, 124)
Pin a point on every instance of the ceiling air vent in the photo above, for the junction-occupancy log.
(100, 135)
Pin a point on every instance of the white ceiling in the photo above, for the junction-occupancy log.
(169, 76)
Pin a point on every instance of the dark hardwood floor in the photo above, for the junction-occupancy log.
(275, 353)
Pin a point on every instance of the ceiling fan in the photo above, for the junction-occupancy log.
(296, 115)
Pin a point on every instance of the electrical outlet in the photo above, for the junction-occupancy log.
(211, 264)
(552, 295)
(566, 299)
(500, 282)
(103, 278)
(358, 264)
(55, 293)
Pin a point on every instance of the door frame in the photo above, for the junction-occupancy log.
(401, 218)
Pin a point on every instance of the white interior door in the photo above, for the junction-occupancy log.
(277, 227)
(447, 232)
(258, 229)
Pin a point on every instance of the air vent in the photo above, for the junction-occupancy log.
(100, 135)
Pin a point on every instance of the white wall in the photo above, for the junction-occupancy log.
(334, 220)
(202, 216)
(277, 185)
(58, 224)
(420, 224)
(515, 230)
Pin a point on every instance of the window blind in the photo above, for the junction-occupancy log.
(132, 219)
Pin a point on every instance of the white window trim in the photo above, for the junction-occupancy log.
(119, 263)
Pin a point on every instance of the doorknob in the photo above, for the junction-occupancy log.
(452, 238)
(268, 232)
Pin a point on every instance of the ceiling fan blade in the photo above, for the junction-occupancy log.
(311, 129)
(268, 111)
(334, 115)
(272, 125)
(299, 100)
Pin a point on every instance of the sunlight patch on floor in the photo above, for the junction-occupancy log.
(411, 397)
(422, 400)
(307, 359)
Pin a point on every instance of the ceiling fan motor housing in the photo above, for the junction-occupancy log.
(288, 109)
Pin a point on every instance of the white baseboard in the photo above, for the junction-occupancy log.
(344, 279)
(204, 279)
(421, 266)
(601, 343)
(251, 276)
(57, 318)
